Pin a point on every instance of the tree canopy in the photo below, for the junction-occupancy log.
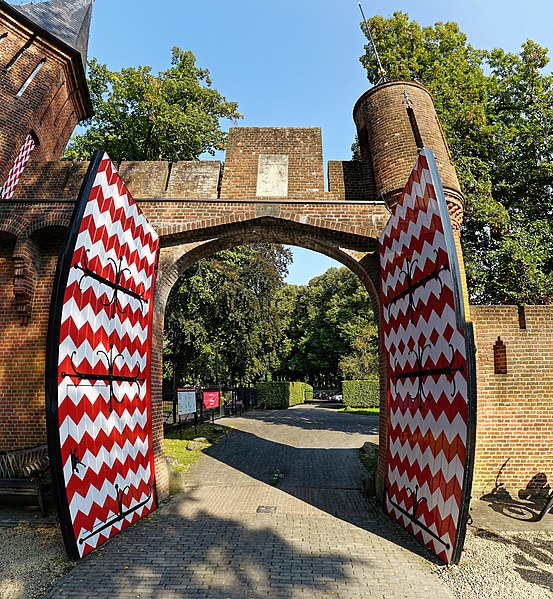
(222, 315)
(331, 331)
(233, 312)
(140, 116)
(496, 109)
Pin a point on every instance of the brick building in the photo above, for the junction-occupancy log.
(272, 190)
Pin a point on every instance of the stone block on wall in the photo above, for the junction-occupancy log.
(194, 179)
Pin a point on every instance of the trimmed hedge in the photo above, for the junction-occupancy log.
(361, 394)
(278, 395)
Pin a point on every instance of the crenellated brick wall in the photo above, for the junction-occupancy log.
(515, 410)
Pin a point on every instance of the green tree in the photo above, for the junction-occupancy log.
(331, 330)
(496, 109)
(140, 116)
(223, 310)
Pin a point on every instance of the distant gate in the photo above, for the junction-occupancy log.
(98, 365)
(430, 366)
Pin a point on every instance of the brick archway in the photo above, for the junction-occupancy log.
(182, 248)
(363, 263)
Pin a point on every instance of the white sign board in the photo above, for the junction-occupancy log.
(187, 401)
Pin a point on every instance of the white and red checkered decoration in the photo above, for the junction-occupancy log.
(430, 396)
(18, 167)
(106, 284)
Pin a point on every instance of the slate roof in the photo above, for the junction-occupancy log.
(68, 20)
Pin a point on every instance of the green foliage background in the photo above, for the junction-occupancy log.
(233, 313)
(277, 395)
(361, 394)
(172, 116)
(496, 109)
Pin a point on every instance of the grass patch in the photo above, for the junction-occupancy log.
(176, 447)
(361, 411)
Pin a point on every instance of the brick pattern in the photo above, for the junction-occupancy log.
(50, 107)
(351, 180)
(304, 149)
(63, 180)
(515, 409)
(23, 349)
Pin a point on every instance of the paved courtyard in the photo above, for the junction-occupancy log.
(274, 510)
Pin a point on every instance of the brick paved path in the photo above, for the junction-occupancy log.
(321, 538)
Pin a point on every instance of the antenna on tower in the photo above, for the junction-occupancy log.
(367, 30)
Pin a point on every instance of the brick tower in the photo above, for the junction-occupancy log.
(43, 90)
(394, 120)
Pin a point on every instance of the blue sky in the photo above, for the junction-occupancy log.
(293, 63)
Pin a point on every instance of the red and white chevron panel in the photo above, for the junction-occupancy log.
(103, 368)
(428, 385)
(18, 167)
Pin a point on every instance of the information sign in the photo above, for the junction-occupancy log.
(187, 400)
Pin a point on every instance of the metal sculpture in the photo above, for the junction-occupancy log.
(98, 364)
(430, 365)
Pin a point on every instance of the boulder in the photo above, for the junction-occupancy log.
(195, 445)
(203, 440)
(370, 448)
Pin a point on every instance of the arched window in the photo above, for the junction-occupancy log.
(500, 357)
(18, 167)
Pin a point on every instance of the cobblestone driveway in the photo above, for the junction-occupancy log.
(232, 534)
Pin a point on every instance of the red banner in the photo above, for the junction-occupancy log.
(211, 399)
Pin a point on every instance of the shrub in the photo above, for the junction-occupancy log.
(277, 395)
(361, 394)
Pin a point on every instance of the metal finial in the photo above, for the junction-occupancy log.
(407, 100)
(367, 30)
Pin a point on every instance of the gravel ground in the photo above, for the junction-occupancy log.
(494, 566)
(31, 559)
(503, 566)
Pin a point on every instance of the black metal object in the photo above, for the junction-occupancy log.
(52, 356)
(75, 462)
(412, 516)
(548, 507)
(123, 513)
(420, 374)
(114, 285)
(412, 287)
(109, 376)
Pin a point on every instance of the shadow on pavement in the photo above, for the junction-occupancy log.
(328, 479)
(311, 419)
(205, 557)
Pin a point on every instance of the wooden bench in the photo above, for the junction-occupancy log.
(26, 472)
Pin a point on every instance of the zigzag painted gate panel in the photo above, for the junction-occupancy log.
(430, 365)
(98, 364)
